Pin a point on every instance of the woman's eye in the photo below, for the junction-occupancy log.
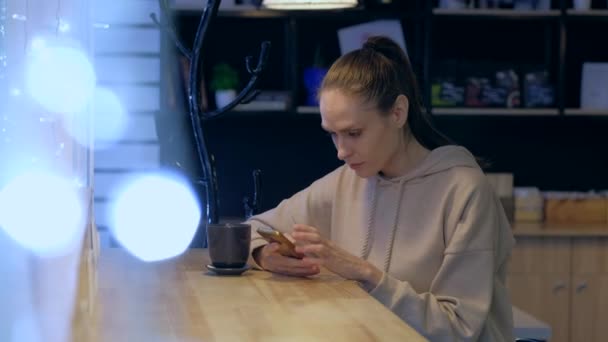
(354, 134)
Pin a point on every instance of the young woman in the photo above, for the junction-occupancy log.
(409, 215)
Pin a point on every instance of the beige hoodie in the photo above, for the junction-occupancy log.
(438, 232)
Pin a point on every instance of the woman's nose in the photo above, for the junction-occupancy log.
(343, 151)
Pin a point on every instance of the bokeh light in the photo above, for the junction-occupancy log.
(155, 216)
(42, 212)
(110, 121)
(60, 78)
(26, 328)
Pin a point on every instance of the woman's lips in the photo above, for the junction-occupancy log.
(355, 165)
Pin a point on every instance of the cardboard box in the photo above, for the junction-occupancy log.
(587, 210)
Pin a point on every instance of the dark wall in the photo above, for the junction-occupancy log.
(292, 151)
(553, 153)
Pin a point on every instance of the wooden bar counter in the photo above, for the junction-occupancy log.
(179, 300)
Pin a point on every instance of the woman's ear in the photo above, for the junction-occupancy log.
(400, 110)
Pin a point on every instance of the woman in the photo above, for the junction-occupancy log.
(409, 216)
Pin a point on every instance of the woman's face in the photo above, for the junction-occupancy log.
(366, 140)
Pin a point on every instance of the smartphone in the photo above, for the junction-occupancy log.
(287, 248)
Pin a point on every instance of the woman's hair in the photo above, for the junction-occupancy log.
(378, 73)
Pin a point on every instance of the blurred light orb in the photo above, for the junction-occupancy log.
(26, 329)
(59, 78)
(155, 216)
(42, 212)
(63, 26)
(109, 119)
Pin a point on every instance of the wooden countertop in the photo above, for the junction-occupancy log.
(176, 300)
(560, 229)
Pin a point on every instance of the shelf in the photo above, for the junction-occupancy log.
(560, 229)
(467, 111)
(254, 112)
(497, 111)
(250, 12)
(308, 110)
(496, 13)
(587, 14)
(582, 111)
(253, 12)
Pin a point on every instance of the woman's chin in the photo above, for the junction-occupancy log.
(364, 172)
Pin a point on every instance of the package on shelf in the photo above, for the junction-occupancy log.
(523, 5)
(456, 4)
(529, 204)
(576, 207)
(483, 84)
(447, 92)
(538, 91)
(500, 89)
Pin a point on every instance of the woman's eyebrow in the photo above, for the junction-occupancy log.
(347, 129)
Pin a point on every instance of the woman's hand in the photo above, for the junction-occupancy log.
(271, 260)
(321, 252)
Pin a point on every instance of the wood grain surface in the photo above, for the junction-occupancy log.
(179, 300)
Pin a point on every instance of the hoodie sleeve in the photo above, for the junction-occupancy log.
(459, 299)
(311, 206)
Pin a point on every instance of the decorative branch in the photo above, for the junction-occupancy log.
(196, 115)
(248, 93)
(170, 28)
(252, 206)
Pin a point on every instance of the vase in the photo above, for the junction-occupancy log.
(312, 81)
(224, 97)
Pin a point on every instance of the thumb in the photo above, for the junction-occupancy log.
(272, 247)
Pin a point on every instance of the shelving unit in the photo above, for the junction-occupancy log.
(587, 14)
(496, 14)
(583, 111)
(481, 111)
(545, 41)
(308, 110)
(542, 146)
(497, 111)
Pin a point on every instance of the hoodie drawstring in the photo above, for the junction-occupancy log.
(370, 222)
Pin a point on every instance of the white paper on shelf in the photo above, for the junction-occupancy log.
(353, 37)
(594, 86)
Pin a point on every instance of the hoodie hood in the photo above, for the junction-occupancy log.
(438, 160)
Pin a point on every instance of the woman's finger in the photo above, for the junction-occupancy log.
(291, 266)
(304, 228)
(315, 249)
(306, 237)
(312, 261)
(273, 247)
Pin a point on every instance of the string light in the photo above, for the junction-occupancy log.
(11, 120)
(3, 68)
(63, 26)
(103, 26)
(3, 56)
(19, 17)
